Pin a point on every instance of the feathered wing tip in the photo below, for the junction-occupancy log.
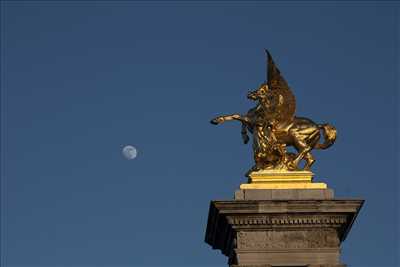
(286, 109)
(274, 77)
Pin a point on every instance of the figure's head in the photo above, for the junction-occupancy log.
(258, 94)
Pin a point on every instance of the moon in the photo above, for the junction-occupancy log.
(129, 152)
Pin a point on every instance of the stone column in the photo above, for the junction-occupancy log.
(281, 227)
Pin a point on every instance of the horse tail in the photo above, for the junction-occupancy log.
(329, 133)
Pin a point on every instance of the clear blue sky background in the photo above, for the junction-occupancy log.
(80, 80)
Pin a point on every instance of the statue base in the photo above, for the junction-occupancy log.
(284, 194)
(281, 179)
(292, 227)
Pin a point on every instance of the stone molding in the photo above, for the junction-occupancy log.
(288, 220)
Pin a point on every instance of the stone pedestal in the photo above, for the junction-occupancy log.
(292, 227)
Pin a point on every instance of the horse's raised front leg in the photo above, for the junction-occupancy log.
(221, 119)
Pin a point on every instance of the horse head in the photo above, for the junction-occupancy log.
(267, 97)
(258, 94)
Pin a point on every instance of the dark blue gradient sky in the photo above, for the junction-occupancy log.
(80, 80)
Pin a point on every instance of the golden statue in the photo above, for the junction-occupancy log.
(274, 127)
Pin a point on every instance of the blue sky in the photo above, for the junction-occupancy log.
(81, 80)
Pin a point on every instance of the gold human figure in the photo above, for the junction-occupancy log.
(274, 126)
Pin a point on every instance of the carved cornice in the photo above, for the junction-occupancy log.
(282, 206)
(292, 220)
(227, 219)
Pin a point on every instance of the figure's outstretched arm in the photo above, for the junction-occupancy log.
(221, 119)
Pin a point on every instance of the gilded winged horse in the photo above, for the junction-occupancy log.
(274, 126)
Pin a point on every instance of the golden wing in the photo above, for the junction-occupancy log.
(284, 106)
